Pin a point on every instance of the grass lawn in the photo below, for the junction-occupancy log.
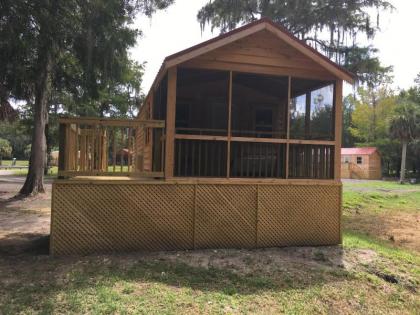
(53, 171)
(18, 163)
(373, 273)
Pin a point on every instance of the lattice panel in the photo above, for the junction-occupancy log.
(108, 217)
(298, 215)
(225, 216)
(119, 217)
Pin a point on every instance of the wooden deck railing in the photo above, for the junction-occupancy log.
(108, 147)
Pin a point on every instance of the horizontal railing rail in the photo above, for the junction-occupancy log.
(108, 147)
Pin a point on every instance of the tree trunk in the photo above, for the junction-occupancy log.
(48, 150)
(403, 161)
(35, 179)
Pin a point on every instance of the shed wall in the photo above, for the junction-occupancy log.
(369, 169)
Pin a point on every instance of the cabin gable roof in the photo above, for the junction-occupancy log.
(264, 24)
(252, 28)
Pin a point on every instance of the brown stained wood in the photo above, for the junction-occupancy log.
(116, 174)
(114, 150)
(212, 46)
(201, 137)
(170, 215)
(338, 111)
(129, 159)
(62, 147)
(257, 28)
(229, 124)
(258, 69)
(311, 54)
(261, 61)
(121, 150)
(170, 123)
(289, 97)
(113, 122)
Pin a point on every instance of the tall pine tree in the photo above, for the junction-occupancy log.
(331, 26)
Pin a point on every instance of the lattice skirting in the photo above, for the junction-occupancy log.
(125, 216)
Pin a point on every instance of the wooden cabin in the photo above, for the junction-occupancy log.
(236, 145)
(361, 163)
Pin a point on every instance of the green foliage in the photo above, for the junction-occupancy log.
(55, 52)
(330, 26)
(405, 121)
(5, 149)
(372, 111)
(17, 134)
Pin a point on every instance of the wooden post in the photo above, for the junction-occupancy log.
(229, 126)
(338, 96)
(170, 123)
(289, 96)
(62, 147)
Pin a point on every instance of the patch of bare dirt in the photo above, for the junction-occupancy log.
(401, 229)
(24, 222)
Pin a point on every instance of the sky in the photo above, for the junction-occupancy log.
(177, 28)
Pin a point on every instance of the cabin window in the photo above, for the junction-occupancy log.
(312, 110)
(359, 160)
(202, 102)
(259, 106)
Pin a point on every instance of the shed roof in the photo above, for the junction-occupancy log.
(263, 24)
(359, 151)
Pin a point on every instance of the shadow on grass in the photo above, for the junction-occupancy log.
(34, 282)
(24, 243)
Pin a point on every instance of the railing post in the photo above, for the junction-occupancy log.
(62, 155)
(338, 96)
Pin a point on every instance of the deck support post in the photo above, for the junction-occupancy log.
(170, 123)
(338, 96)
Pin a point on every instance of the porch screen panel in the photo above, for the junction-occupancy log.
(200, 158)
(312, 110)
(257, 160)
(159, 100)
(259, 105)
(311, 161)
(202, 102)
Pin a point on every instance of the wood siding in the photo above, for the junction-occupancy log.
(260, 53)
(369, 169)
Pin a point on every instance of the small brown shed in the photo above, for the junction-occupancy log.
(360, 163)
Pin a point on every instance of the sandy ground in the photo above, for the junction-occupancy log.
(24, 222)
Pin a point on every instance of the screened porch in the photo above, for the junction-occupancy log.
(244, 125)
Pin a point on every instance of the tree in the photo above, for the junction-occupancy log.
(348, 108)
(17, 133)
(331, 26)
(405, 126)
(371, 114)
(5, 149)
(51, 45)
